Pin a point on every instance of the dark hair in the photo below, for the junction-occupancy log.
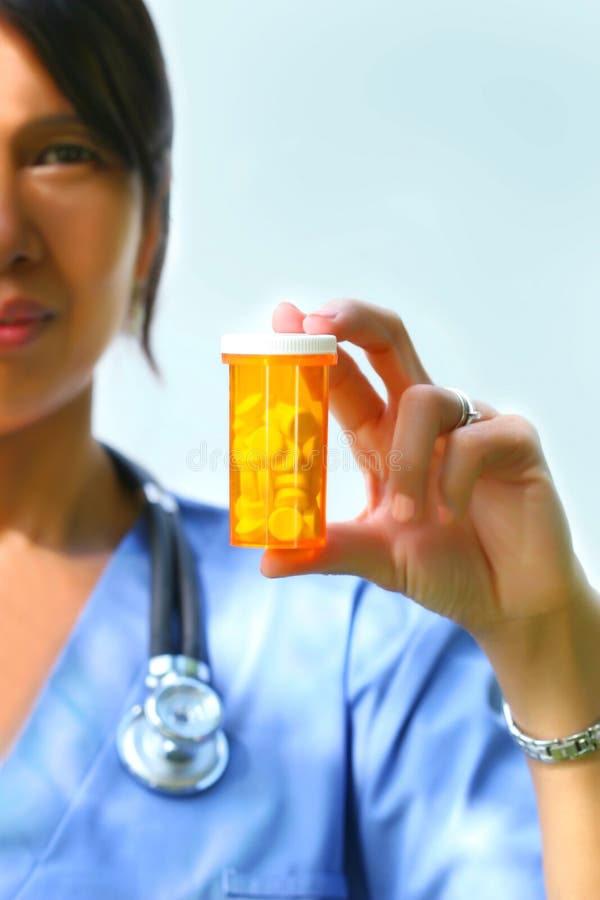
(105, 57)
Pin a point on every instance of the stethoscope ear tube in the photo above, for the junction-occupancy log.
(162, 638)
(173, 743)
(194, 642)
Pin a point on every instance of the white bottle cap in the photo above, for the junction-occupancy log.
(278, 344)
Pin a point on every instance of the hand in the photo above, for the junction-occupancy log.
(467, 522)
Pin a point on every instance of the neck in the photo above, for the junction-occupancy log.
(58, 487)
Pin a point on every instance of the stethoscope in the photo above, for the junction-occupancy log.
(174, 743)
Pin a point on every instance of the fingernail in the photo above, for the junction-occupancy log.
(403, 508)
(324, 313)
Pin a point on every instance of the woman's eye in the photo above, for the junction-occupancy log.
(67, 153)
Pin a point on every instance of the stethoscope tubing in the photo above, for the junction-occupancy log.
(172, 564)
(193, 641)
(174, 743)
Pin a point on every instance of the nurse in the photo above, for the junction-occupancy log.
(369, 756)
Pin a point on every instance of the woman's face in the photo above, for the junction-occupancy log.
(71, 237)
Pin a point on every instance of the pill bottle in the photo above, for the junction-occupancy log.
(278, 408)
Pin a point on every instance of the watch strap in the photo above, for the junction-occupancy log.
(574, 746)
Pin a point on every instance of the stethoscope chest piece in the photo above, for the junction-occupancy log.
(174, 743)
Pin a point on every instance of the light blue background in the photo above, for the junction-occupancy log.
(440, 158)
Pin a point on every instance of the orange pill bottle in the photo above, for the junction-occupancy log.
(278, 408)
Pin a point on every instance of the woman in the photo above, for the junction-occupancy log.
(368, 758)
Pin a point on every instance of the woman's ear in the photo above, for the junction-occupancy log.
(149, 243)
(152, 230)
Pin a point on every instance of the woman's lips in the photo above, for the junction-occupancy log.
(22, 321)
(21, 309)
(23, 332)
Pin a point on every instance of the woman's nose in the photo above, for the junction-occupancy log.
(16, 232)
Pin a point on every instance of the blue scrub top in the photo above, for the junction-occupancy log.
(369, 758)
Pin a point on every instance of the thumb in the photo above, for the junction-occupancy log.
(352, 548)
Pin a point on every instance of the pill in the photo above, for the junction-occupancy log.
(281, 413)
(264, 483)
(290, 496)
(243, 429)
(245, 508)
(250, 528)
(248, 485)
(239, 446)
(249, 406)
(286, 416)
(269, 440)
(293, 479)
(287, 460)
(285, 523)
(237, 459)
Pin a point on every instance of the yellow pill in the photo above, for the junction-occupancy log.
(293, 479)
(285, 523)
(286, 416)
(253, 509)
(270, 440)
(264, 481)
(250, 528)
(290, 496)
(243, 427)
(239, 445)
(285, 460)
(318, 500)
(249, 406)
(248, 485)
(280, 413)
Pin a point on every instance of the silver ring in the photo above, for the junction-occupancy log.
(469, 413)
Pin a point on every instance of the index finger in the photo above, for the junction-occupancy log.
(381, 333)
(354, 401)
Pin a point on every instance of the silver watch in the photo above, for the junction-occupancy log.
(557, 749)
